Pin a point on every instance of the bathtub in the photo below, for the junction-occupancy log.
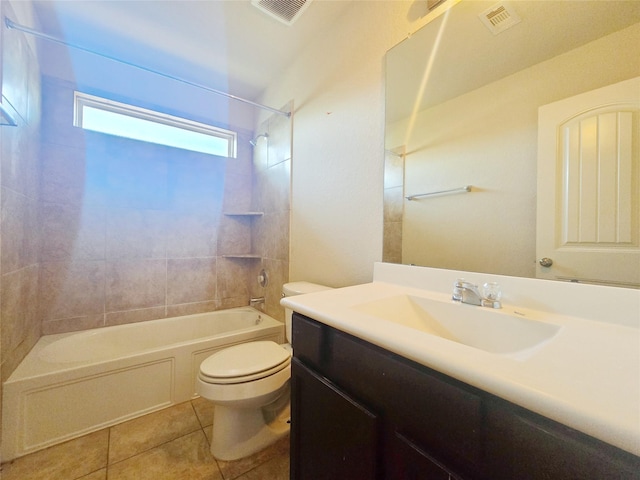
(72, 384)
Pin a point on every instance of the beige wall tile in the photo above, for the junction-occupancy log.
(192, 233)
(73, 324)
(20, 150)
(137, 175)
(243, 164)
(234, 235)
(237, 193)
(278, 273)
(392, 246)
(57, 114)
(393, 204)
(133, 233)
(72, 232)
(233, 279)
(191, 308)
(72, 289)
(233, 302)
(273, 187)
(134, 284)
(19, 227)
(15, 71)
(271, 235)
(134, 316)
(13, 358)
(19, 181)
(18, 307)
(72, 175)
(191, 280)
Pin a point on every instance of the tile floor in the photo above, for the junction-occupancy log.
(172, 444)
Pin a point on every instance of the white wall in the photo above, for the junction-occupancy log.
(337, 169)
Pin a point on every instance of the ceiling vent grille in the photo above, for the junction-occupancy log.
(286, 11)
(499, 18)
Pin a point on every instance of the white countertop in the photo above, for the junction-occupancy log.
(587, 376)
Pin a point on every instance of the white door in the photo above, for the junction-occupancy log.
(588, 217)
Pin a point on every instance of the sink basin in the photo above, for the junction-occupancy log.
(494, 331)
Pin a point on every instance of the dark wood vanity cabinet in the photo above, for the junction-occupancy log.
(361, 412)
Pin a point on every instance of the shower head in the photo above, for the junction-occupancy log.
(254, 142)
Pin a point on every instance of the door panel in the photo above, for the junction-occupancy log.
(588, 219)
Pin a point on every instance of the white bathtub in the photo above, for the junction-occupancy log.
(74, 383)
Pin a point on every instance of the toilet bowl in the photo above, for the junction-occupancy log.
(249, 387)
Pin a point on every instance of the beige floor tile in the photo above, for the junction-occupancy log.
(204, 410)
(67, 461)
(232, 470)
(99, 475)
(141, 434)
(186, 458)
(275, 469)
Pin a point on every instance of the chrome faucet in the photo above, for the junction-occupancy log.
(467, 292)
(256, 301)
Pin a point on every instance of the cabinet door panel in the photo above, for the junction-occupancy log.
(444, 416)
(410, 462)
(307, 340)
(542, 450)
(332, 436)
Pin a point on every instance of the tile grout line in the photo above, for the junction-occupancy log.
(106, 468)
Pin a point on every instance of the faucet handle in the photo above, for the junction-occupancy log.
(491, 295)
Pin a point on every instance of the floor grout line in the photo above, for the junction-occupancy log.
(228, 471)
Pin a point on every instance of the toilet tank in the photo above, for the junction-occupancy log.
(297, 288)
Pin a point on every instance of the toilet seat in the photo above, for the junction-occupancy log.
(244, 363)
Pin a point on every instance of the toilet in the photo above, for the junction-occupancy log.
(249, 387)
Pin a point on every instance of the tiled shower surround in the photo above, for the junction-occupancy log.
(134, 231)
(98, 230)
(20, 325)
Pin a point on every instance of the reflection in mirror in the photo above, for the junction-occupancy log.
(462, 109)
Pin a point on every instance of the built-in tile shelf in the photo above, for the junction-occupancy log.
(251, 215)
(244, 214)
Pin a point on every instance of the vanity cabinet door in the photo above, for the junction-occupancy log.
(410, 462)
(542, 450)
(526, 446)
(332, 435)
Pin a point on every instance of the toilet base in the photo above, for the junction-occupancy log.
(240, 432)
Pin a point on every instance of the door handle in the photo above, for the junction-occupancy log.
(545, 262)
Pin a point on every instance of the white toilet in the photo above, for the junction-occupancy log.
(249, 386)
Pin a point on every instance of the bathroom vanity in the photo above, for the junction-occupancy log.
(373, 400)
(361, 412)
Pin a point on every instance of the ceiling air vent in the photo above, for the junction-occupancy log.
(286, 11)
(499, 17)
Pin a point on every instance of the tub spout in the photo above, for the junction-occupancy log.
(256, 301)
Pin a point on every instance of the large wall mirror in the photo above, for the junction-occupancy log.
(463, 96)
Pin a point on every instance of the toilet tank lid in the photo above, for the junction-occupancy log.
(299, 288)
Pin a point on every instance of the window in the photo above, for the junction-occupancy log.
(114, 118)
